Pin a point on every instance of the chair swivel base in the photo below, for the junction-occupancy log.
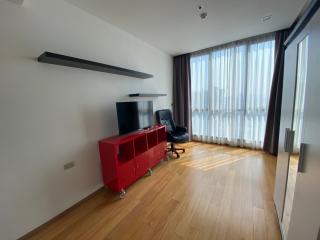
(175, 150)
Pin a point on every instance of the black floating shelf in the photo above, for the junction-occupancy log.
(147, 95)
(58, 59)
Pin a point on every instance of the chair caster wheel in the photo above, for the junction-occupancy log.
(150, 172)
(122, 194)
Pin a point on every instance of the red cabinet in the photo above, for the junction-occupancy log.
(126, 158)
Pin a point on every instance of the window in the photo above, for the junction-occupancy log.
(230, 89)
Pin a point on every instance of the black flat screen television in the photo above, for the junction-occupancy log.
(133, 116)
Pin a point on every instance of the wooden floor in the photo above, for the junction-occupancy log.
(211, 192)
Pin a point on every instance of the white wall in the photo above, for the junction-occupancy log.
(51, 115)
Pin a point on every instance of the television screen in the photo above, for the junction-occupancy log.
(133, 116)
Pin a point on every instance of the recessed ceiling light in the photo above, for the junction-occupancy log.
(266, 18)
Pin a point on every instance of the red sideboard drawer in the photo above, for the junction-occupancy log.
(161, 149)
(142, 163)
(126, 174)
(158, 153)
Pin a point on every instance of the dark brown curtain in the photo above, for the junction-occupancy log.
(182, 91)
(271, 138)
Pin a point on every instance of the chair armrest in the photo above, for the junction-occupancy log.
(181, 129)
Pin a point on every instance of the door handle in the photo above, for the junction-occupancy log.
(302, 157)
(285, 144)
(290, 141)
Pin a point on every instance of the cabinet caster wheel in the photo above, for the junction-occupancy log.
(122, 194)
(150, 172)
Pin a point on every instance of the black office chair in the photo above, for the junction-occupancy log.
(175, 134)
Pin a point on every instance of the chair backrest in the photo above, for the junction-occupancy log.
(164, 117)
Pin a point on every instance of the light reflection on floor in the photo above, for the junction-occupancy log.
(205, 157)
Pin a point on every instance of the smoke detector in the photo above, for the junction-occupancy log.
(202, 12)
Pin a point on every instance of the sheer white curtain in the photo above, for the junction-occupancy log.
(230, 89)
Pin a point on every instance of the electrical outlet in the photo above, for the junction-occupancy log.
(68, 165)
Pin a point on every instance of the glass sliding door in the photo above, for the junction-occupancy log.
(297, 127)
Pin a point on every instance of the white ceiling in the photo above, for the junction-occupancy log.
(175, 27)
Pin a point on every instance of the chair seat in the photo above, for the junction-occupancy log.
(178, 137)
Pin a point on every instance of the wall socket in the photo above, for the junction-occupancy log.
(68, 165)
